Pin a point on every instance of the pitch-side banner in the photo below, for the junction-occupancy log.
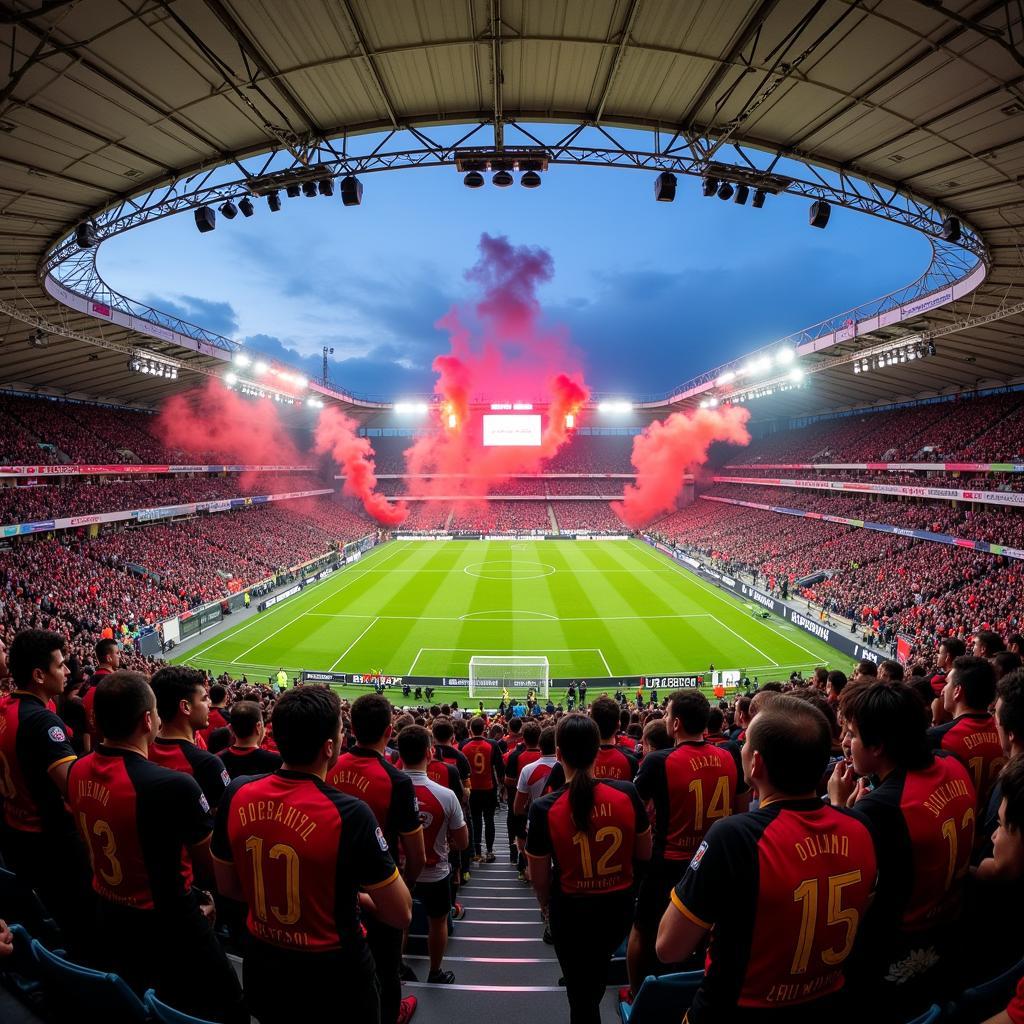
(938, 538)
(148, 515)
(925, 467)
(1012, 498)
(124, 469)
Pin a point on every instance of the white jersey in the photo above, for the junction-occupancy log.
(534, 777)
(440, 813)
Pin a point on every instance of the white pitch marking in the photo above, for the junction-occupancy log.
(354, 642)
(605, 660)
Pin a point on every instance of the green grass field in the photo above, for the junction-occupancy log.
(593, 608)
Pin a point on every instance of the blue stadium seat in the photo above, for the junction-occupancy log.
(21, 969)
(167, 1014)
(662, 1000)
(21, 905)
(986, 1000)
(931, 1016)
(83, 993)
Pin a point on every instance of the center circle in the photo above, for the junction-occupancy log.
(509, 569)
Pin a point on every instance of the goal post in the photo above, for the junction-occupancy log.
(517, 674)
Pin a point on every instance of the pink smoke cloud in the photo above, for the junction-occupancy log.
(670, 448)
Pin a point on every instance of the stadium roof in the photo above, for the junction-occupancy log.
(104, 103)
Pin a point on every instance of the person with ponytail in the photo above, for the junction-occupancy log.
(582, 842)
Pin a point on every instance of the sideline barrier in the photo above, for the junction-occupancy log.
(863, 524)
(123, 469)
(835, 638)
(628, 684)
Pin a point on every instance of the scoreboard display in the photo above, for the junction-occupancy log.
(512, 430)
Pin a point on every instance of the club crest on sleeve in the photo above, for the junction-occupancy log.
(695, 863)
(56, 733)
(204, 803)
(224, 777)
(381, 841)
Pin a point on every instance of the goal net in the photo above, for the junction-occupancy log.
(518, 675)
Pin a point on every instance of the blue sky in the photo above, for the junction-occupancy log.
(651, 293)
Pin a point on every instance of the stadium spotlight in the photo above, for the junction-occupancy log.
(741, 195)
(474, 179)
(241, 359)
(293, 190)
(704, 403)
(785, 356)
(570, 421)
(351, 190)
(725, 191)
(85, 234)
(763, 365)
(38, 339)
(709, 186)
(502, 179)
(206, 219)
(665, 187)
(759, 197)
(453, 421)
(712, 403)
(930, 349)
(134, 365)
(856, 367)
(309, 189)
(274, 201)
(230, 379)
(819, 213)
(796, 375)
(725, 378)
(951, 229)
(530, 179)
(229, 210)
(615, 407)
(260, 367)
(325, 186)
(245, 205)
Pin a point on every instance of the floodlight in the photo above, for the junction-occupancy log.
(245, 205)
(325, 186)
(453, 420)
(351, 190)
(665, 187)
(206, 219)
(724, 378)
(819, 213)
(300, 382)
(758, 201)
(856, 367)
(931, 348)
(725, 191)
(502, 179)
(260, 367)
(309, 189)
(951, 229)
(274, 201)
(704, 404)
(763, 364)
(229, 210)
(785, 356)
(712, 403)
(230, 379)
(796, 375)
(241, 359)
(741, 195)
(85, 235)
(294, 190)
(530, 179)
(570, 421)
(474, 179)
(709, 186)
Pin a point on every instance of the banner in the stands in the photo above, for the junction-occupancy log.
(122, 469)
(148, 515)
(1013, 498)
(938, 538)
(924, 467)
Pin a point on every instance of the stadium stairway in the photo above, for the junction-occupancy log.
(503, 969)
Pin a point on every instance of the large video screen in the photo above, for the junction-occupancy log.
(511, 431)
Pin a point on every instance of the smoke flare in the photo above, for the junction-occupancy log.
(670, 448)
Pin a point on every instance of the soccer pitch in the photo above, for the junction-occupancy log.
(595, 609)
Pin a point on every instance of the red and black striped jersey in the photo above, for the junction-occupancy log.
(516, 762)
(612, 762)
(925, 823)
(138, 820)
(691, 785)
(33, 739)
(973, 740)
(206, 768)
(365, 774)
(783, 891)
(485, 762)
(302, 851)
(599, 860)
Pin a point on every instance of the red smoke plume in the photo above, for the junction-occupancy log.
(336, 434)
(515, 359)
(667, 450)
(218, 425)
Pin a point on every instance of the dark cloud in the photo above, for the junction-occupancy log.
(219, 317)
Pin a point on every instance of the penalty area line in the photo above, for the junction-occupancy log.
(354, 642)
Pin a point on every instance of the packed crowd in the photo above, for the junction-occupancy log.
(595, 516)
(78, 496)
(888, 803)
(502, 516)
(953, 481)
(988, 429)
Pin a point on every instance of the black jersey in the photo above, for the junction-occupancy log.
(206, 768)
(240, 761)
